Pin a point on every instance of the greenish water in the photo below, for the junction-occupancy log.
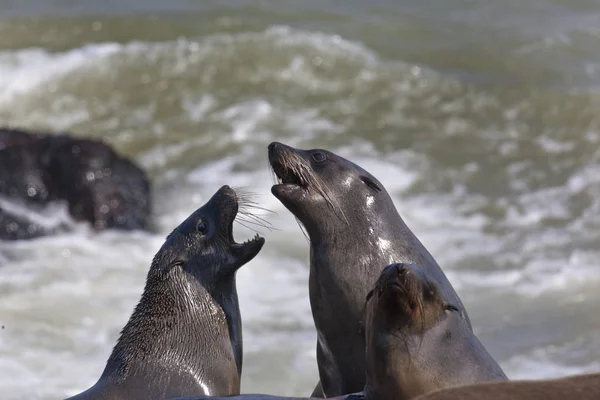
(481, 119)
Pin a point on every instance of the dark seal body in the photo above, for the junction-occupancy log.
(357, 396)
(354, 230)
(98, 185)
(580, 387)
(185, 335)
(417, 341)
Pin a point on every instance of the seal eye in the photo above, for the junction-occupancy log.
(318, 156)
(451, 307)
(201, 227)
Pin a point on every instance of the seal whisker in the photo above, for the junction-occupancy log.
(302, 228)
(259, 220)
(244, 225)
(274, 177)
(257, 223)
(244, 191)
(308, 176)
(245, 200)
(255, 207)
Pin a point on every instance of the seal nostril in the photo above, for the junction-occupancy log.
(272, 147)
(401, 271)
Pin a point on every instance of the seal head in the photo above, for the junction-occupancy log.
(318, 184)
(416, 341)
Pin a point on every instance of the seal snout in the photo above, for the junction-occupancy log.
(226, 191)
(400, 281)
(397, 272)
(273, 147)
(401, 270)
(400, 275)
(287, 165)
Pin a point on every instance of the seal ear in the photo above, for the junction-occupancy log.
(451, 307)
(369, 182)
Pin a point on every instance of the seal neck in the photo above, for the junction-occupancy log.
(177, 317)
(382, 381)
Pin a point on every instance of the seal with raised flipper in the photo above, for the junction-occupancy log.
(185, 335)
(354, 231)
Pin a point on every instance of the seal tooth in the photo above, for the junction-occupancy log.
(280, 181)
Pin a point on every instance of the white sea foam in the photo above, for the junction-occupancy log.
(24, 71)
(537, 365)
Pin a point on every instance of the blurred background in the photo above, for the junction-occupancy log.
(482, 119)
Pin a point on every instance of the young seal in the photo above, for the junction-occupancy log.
(580, 387)
(185, 335)
(354, 231)
(98, 185)
(416, 342)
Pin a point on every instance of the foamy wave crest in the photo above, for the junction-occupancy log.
(538, 365)
(54, 88)
(25, 70)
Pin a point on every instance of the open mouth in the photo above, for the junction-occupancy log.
(257, 238)
(247, 250)
(286, 176)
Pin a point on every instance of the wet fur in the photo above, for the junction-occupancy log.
(580, 387)
(346, 234)
(416, 340)
(401, 322)
(185, 335)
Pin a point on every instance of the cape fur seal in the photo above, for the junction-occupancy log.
(416, 341)
(185, 335)
(354, 231)
(576, 387)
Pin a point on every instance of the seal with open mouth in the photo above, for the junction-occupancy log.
(185, 335)
(354, 231)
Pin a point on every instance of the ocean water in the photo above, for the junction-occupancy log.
(482, 120)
